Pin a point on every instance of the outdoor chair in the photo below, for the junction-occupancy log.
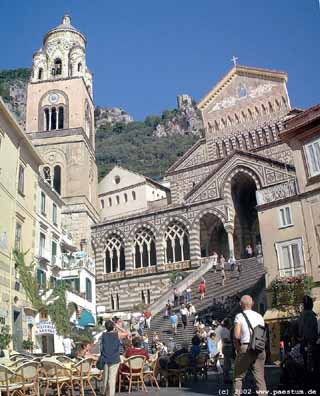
(83, 375)
(134, 375)
(152, 372)
(184, 364)
(201, 366)
(54, 375)
(29, 374)
(64, 359)
(10, 382)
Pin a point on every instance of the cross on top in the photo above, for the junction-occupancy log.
(234, 60)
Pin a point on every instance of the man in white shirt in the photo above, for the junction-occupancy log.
(68, 344)
(247, 358)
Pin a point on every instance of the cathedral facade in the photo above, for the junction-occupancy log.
(212, 202)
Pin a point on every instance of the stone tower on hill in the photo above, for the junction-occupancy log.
(60, 122)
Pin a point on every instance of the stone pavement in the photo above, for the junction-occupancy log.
(214, 386)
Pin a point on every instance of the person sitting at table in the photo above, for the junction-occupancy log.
(134, 350)
(169, 362)
(85, 352)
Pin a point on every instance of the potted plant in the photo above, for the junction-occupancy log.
(5, 337)
(27, 345)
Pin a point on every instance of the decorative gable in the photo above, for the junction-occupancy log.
(265, 173)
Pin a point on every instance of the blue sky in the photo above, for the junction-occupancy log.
(145, 52)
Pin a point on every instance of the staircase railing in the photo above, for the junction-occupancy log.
(181, 286)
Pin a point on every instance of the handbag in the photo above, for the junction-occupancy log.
(100, 363)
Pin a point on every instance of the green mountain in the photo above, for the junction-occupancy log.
(149, 147)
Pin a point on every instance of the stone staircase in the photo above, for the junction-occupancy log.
(251, 281)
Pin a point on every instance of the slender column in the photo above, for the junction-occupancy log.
(229, 229)
(181, 247)
(50, 114)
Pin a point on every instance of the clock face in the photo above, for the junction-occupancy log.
(53, 98)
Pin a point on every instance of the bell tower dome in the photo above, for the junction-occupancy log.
(60, 122)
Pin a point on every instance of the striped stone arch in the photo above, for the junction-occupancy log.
(226, 182)
(215, 212)
(171, 219)
(137, 227)
(108, 233)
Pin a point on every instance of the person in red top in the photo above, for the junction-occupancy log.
(202, 289)
(134, 350)
(147, 316)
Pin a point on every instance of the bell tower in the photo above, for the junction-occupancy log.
(60, 122)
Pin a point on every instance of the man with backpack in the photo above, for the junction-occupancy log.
(249, 341)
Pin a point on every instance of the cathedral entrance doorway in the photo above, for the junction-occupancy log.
(213, 236)
(246, 224)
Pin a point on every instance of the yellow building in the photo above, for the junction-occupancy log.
(19, 164)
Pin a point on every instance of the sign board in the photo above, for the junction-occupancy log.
(101, 309)
(45, 327)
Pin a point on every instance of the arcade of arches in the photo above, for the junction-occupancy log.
(229, 238)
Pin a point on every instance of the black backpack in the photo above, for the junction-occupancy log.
(258, 336)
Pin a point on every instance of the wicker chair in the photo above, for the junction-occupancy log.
(152, 373)
(134, 375)
(201, 366)
(10, 382)
(184, 363)
(83, 375)
(55, 375)
(29, 374)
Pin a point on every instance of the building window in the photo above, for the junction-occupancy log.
(47, 174)
(290, 257)
(40, 73)
(112, 302)
(125, 197)
(285, 217)
(57, 179)
(53, 282)
(110, 201)
(79, 67)
(114, 255)
(18, 236)
(88, 290)
(144, 247)
(41, 279)
(102, 204)
(134, 195)
(117, 199)
(46, 119)
(148, 296)
(42, 244)
(60, 117)
(313, 157)
(57, 70)
(21, 180)
(143, 297)
(43, 203)
(54, 250)
(54, 214)
(176, 243)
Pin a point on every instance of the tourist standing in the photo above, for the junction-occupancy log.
(184, 315)
(226, 349)
(175, 297)
(249, 251)
(68, 346)
(223, 277)
(202, 289)
(110, 351)
(246, 358)
(189, 295)
(147, 316)
(239, 268)
(174, 322)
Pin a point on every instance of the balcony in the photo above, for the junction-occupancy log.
(77, 260)
(44, 256)
(277, 192)
(154, 269)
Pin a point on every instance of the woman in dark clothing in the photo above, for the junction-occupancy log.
(110, 351)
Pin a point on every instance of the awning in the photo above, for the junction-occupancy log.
(87, 319)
